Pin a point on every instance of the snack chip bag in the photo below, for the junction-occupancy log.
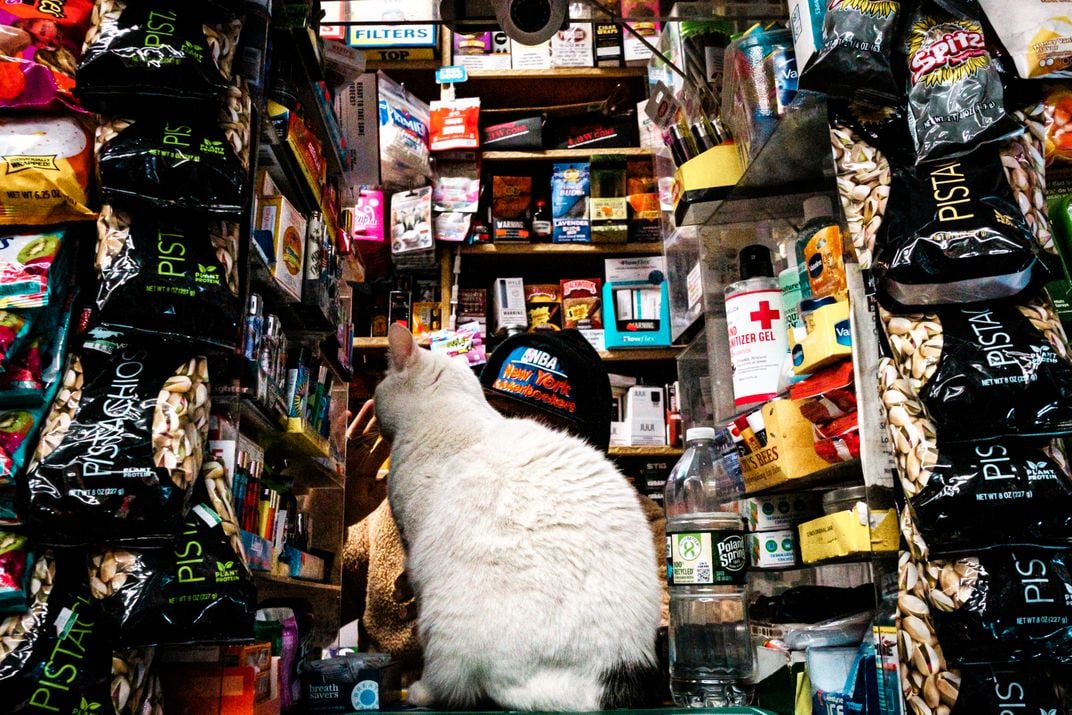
(45, 162)
(956, 100)
(27, 266)
(40, 43)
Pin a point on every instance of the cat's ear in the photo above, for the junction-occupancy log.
(401, 346)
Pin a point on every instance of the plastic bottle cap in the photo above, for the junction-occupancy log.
(694, 433)
(817, 207)
(755, 261)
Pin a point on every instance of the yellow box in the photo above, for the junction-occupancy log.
(708, 177)
(287, 225)
(790, 450)
(829, 339)
(846, 533)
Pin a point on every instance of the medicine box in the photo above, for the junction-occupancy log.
(645, 416)
(508, 304)
(287, 226)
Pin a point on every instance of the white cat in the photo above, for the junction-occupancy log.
(531, 559)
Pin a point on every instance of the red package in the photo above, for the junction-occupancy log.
(40, 44)
(455, 125)
(839, 441)
(826, 395)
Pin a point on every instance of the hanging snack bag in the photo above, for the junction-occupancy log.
(411, 220)
(455, 124)
(134, 680)
(177, 163)
(951, 234)
(19, 430)
(1002, 690)
(955, 97)
(138, 53)
(40, 43)
(169, 274)
(40, 362)
(56, 658)
(14, 330)
(852, 52)
(1004, 605)
(31, 268)
(197, 590)
(45, 162)
(15, 566)
(122, 444)
(988, 371)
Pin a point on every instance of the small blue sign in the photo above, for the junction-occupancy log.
(451, 74)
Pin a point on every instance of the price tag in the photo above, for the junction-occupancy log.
(662, 107)
(451, 74)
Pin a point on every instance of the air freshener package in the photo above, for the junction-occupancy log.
(569, 204)
(956, 100)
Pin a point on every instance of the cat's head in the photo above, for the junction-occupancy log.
(419, 382)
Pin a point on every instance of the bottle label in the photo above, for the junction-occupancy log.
(706, 558)
(757, 343)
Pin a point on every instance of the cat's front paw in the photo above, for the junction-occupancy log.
(419, 695)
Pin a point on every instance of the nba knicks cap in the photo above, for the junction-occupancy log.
(556, 377)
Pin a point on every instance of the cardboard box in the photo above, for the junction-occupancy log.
(608, 44)
(773, 549)
(637, 300)
(582, 303)
(636, 52)
(530, 57)
(574, 46)
(356, 107)
(508, 304)
(426, 318)
(781, 511)
(848, 533)
(608, 207)
(790, 450)
(645, 416)
(287, 226)
(570, 190)
(543, 305)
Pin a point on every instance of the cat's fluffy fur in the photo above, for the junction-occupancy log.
(532, 561)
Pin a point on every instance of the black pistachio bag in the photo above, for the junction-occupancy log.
(1002, 690)
(62, 651)
(121, 447)
(1004, 605)
(994, 493)
(197, 590)
(147, 56)
(952, 234)
(182, 163)
(171, 274)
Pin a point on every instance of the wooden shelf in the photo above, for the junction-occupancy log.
(410, 65)
(296, 582)
(654, 248)
(373, 344)
(562, 154)
(561, 73)
(644, 451)
(641, 354)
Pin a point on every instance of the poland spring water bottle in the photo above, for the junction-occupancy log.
(710, 644)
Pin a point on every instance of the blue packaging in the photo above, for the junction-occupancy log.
(570, 189)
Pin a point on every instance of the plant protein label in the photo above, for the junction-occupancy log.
(706, 558)
(758, 345)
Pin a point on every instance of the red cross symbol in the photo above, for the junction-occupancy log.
(765, 316)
